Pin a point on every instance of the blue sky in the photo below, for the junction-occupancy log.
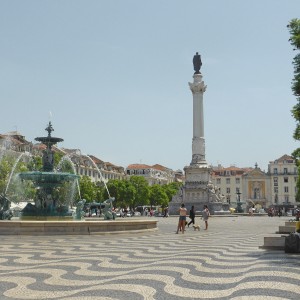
(115, 73)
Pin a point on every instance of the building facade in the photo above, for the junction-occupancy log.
(228, 181)
(283, 175)
(15, 141)
(254, 187)
(277, 187)
(93, 167)
(156, 174)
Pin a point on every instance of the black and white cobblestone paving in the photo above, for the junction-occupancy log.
(223, 262)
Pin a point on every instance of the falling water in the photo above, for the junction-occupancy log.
(12, 172)
(5, 146)
(67, 158)
(99, 174)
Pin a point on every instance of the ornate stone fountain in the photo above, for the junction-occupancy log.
(48, 182)
(50, 215)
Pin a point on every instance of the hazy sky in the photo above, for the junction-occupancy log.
(115, 73)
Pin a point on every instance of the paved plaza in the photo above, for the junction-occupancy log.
(224, 262)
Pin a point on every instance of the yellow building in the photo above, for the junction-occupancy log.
(277, 187)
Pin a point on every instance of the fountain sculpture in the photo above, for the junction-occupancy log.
(48, 183)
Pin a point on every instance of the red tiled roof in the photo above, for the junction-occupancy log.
(39, 146)
(95, 159)
(138, 166)
(159, 167)
(284, 157)
(143, 166)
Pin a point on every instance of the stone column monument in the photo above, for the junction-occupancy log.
(197, 189)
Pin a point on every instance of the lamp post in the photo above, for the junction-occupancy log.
(239, 204)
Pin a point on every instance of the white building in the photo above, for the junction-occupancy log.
(156, 174)
(94, 167)
(284, 174)
(15, 141)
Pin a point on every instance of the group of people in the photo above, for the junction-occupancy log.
(183, 214)
(149, 213)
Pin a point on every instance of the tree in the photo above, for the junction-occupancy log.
(35, 164)
(100, 190)
(116, 190)
(5, 168)
(171, 189)
(142, 191)
(158, 196)
(87, 189)
(294, 29)
(10, 182)
(128, 194)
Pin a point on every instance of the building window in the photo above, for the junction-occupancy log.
(275, 171)
(285, 171)
(218, 180)
(275, 189)
(227, 190)
(285, 179)
(227, 180)
(237, 180)
(286, 189)
(228, 199)
(275, 181)
(286, 199)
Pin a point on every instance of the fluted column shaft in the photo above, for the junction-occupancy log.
(198, 144)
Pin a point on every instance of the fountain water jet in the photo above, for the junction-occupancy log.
(12, 172)
(90, 159)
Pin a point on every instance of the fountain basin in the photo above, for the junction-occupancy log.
(16, 227)
(48, 179)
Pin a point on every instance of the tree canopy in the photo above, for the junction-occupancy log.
(294, 29)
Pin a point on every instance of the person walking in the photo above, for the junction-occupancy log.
(192, 216)
(182, 218)
(205, 215)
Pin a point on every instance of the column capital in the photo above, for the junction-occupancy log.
(198, 85)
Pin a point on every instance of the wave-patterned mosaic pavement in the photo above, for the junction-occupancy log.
(221, 263)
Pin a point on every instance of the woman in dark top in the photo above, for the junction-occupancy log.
(192, 216)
